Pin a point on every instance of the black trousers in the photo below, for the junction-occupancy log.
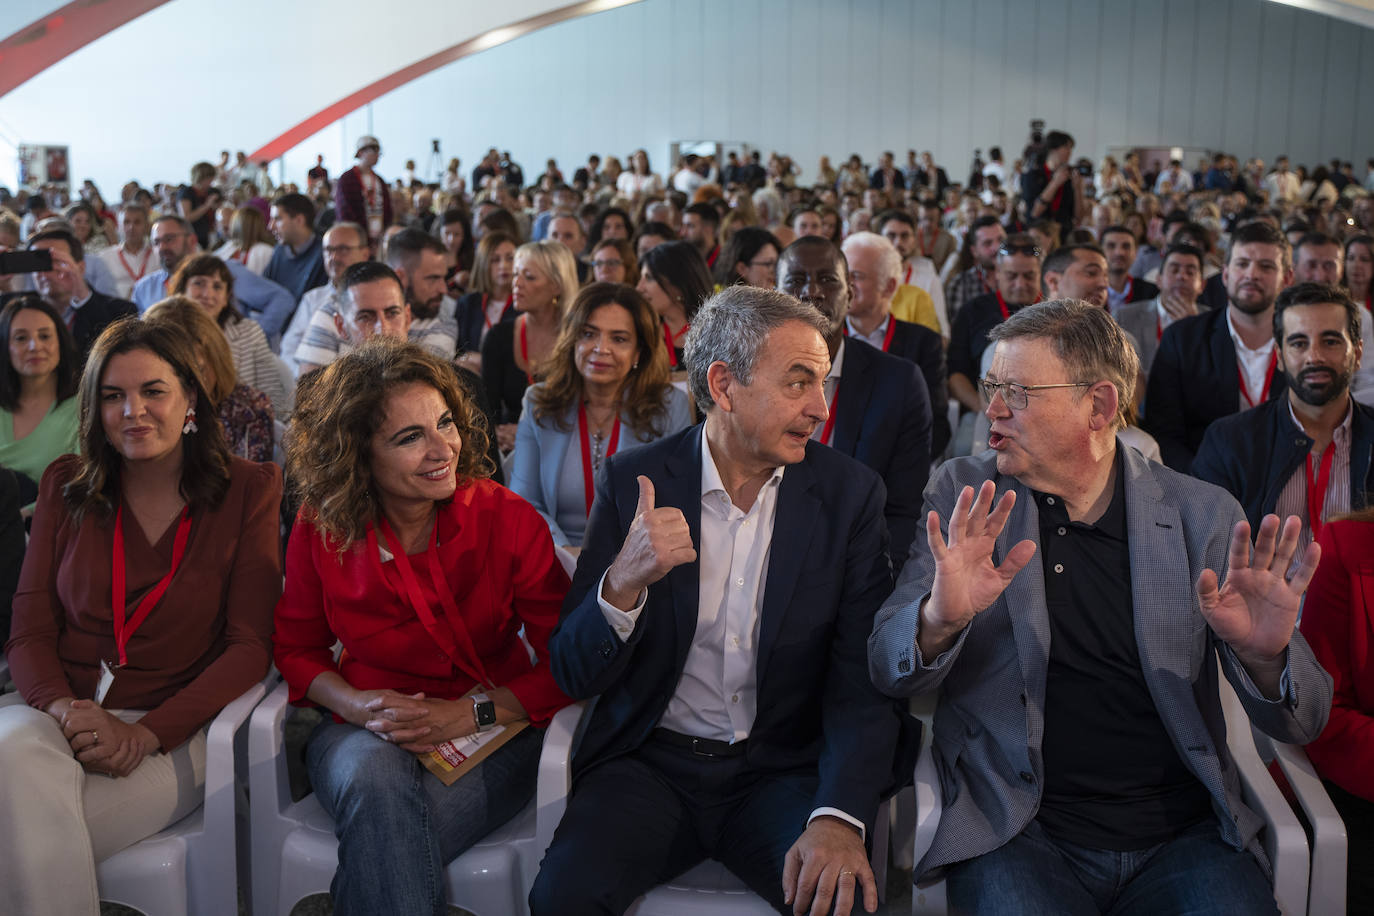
(642, 819)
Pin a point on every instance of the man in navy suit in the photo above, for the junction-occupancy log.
(720, 609)
(880, 411)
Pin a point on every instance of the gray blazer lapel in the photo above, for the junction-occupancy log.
(1171, 636)
(1025, 596)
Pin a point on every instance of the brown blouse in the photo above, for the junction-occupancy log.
(204, 643)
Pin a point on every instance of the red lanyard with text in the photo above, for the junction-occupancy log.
(829, 426)
(1268, 379)
(446, 637)
(906, 278)
(887, 336)
(142, 267)
(125, 629)
(588, 481)
(1316, 489)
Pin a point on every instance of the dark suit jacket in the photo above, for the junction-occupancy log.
(11, 546)
(472, 317)
(827, 574)
(883, 418)
(1253, 454)
(1141, 290)
(1193, 381)
(1214, 293)
(922, 346)
(92, 318)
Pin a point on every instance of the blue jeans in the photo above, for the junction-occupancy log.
(1194, 873)
(398, 825)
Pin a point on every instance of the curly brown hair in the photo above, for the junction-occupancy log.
(642, 393)
(328, 454)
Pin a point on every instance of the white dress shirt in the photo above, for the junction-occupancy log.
(1254, 365)
(874, 339)
(717, 694)
(127, 269)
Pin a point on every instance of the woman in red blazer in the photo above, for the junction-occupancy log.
(426, 572)
(1338, 621)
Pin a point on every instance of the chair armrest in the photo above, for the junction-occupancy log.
(929, 800)
(1326, 883)
(555, 771)
(268, 785)
(1284, 840)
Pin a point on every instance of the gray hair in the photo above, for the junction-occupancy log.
(889, 259)
(731, 328)
(1092, 346)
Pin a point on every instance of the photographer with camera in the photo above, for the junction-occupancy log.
(1050, 187)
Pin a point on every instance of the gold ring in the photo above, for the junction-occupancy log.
(849, 873)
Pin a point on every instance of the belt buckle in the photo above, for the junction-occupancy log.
(699, 750)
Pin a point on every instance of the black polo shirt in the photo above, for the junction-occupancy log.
(969, 336)
(1113, 779)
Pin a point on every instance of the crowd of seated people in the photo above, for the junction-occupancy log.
(640, 356)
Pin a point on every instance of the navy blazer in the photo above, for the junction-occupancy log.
(471, 314)
(1253, 454)
(827, 574)
(1194, 380)
(883, 418)
(919, 344)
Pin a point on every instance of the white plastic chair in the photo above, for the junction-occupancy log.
(295, 853)
(1282, 837)
(1325, 828)
(195, 865)
(706, 889)
(5, 671)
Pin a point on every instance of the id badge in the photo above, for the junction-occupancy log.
(106, 681)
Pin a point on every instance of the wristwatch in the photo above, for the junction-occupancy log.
(484, 711)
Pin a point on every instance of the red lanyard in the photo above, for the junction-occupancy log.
(369, 189)
(142, 268)
(711, 258)
(668, 337)
(1130, 285)
(1268, 378)
(887, 336)
(241, 256)
(1002, 304)
(906, 278)
(1058, 195)
(588, 483)
(124, 630)
(1159, 328)
(486, 315)
(1316, 489)
(983, 279)
(446, 637)
(525, 351)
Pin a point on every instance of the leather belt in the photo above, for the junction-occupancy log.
(702, 747)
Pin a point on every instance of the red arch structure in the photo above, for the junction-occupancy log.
(490, 39)
(38, 46)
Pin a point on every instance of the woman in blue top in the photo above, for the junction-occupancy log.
(605, 389)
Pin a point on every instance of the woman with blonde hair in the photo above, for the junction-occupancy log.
(605, 388)
(244, 412)
(249, 241)
(512, 354)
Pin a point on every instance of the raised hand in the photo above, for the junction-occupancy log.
(657, 541)
(967, 582)
(1255, 610)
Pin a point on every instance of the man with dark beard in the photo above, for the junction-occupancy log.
(1307, 454)
(419, 259)
(1212, 365)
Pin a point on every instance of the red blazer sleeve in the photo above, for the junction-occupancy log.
(1336, 622)
(303, 639)
(38, 612)
(540, 585)
(251, 587)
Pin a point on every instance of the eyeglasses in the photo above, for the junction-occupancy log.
(335, 250)
(1032, 250)
(1018, 396)
(607, 263)
(766, 265)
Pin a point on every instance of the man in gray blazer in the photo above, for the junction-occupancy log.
(1180, 280)
(1073, 631)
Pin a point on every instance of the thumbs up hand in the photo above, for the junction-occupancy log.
(657, 541)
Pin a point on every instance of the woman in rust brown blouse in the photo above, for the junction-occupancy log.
(144, 606)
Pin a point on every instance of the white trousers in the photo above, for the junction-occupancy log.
(57, 820)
